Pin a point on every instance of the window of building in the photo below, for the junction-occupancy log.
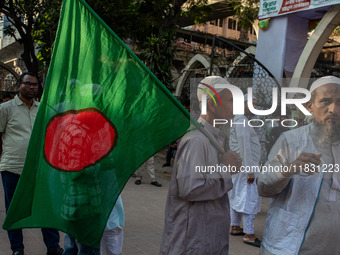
(232, 24)
(3, 23)
(238, 27)
(220, 23)
(214, 22)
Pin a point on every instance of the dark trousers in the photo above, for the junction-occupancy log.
(169, 154)
(50, 236)
(73, 247)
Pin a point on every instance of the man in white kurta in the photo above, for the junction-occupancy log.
(197, 208)
(304, 212)
(245, 202)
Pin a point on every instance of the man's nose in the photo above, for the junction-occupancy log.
(334, 108)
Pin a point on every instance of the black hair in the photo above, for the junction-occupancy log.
(21, 77)
(6, 95)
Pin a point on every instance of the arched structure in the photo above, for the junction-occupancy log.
(314, 46)
(8, 78)
(240, 58)
(9, 69)
(196, 61)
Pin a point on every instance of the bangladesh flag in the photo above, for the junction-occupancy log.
(102, 114)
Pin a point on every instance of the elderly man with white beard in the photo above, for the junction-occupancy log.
(304, 213)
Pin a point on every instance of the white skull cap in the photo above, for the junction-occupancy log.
(323, 81)
(211, 81)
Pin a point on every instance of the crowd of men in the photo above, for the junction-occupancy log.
(303, 216)
(202, 207)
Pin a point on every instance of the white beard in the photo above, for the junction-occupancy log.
(327, 133)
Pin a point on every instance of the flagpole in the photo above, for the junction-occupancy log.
(212, 140)
(200, 127)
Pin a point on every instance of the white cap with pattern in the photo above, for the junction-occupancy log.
(323, 81)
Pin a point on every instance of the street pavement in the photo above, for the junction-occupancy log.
(144, 207)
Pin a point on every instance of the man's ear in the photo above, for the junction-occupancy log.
(309, 106)
(211, 105)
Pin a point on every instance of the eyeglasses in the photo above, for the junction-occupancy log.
(31, 84)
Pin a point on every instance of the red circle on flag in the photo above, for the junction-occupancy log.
(77, 139)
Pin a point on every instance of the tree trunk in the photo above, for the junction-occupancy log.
(28, 55)
(244, 35)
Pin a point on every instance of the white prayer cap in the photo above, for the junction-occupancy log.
(323, 81)
(211, 81)
(246, 98)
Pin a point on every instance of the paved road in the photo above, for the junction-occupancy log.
(144, 218)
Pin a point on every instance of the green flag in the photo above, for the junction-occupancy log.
(102, 114)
